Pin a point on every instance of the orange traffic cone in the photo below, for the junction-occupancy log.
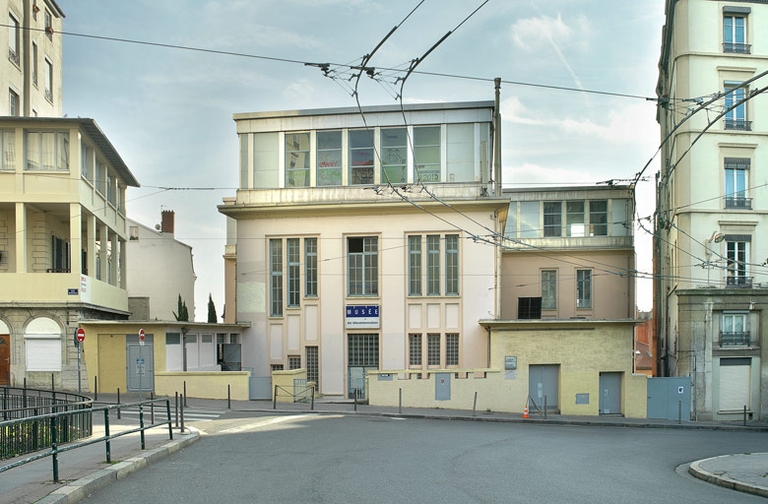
(525, 411)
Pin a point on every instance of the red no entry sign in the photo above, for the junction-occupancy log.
(141, 337)
(80, 334)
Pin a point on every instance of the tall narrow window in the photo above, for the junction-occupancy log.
(50, 151)
(8, 139)
(414, 350)
(34, 64)
(433, 349)
(414, 266)
(737, 254)
(736, 175)
(13, 40)
(735, 328)
(48, 80)
(583, 288)
(310, 267)
(328, 158)
(433, 265)
(451, 349)
(293, 270)
(363, 266)
(394, 156)
(13, 103)
(276, 277)
(297, 160)
(735, 34)
(574, 218)
(48, 24)
(361, 157)
(313, 371)
(549, 289)
(426, 153)
(60, 262)
(598, 218)
(451, 265)
(552, 218)
(736, 108)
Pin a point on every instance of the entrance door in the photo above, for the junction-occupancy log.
(140, 368)
(362, 355)
(610, 393)
(542, 382)
(5, 359)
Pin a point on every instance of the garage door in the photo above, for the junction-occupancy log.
(734, 384)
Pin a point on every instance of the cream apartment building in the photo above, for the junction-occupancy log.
(62, 243)
(711, 232)
(364, 240)
(32, 71)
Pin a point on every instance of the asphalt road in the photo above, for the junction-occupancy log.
(357, 459)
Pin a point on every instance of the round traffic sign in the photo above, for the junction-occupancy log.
(141, 334)
(80, 334)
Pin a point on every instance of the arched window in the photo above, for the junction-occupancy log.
(42, 340)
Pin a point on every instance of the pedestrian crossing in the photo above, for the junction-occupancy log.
(190, 414)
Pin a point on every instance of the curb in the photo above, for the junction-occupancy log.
(722, 480)
(77, 490)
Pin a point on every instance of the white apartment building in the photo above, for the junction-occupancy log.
(711, 232)
(364, 239)
(32, 72)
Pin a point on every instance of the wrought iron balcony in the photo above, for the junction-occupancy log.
(738, 124)
(734, 338)
(738, 282)
(737, 48)
(738, 203)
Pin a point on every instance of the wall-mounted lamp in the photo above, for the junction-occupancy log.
(717, 238)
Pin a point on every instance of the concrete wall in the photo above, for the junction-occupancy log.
(204, 385)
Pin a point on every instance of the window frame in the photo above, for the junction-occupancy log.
(329, 167)
(59, 156)
(584, 289)
(297, 158)
(276, 277)
(433, 349)
(310, 267)
(415, 284)
(553, 220)
(738, 117)
(452, 265)
(731, 44)
(433, 265)
(363, 266)
(361, 171)
(549, 289)
(598, 218)
(427, 170)
(736, 183)
(394, 156)
(293, 272)
(737, 261)
(452, 350)
(415, 350)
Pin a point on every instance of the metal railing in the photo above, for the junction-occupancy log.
(738, 282)
(737, 48)
(738, 203)
(52, 423)
(298, 395)
(734, 338)
(738, 124)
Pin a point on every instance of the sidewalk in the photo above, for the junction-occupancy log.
(746, 473)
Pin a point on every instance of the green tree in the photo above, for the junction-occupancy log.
(211, 310)
(182, 315)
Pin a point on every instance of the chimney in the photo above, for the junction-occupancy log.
(166, 224)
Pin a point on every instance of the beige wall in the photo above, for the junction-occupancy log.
(204, 385)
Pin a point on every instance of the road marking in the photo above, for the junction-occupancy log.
(272, 421)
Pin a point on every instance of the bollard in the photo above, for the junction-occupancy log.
(152, 408)
(55, 448)
(141, 425)
(679, 411)
(168, 417)
(274, 399)
(184, 397)
(95, 388)
(229, 397)
(118, 403)
(108, 446)
(181, 406)
(474, 405)
(53, 386)
(176, 409)
(400, 402)
(24, 397)
(355, 399)
(745, 415)
(545, 407)
(312, 406)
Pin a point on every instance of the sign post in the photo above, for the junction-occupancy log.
(79, 338)
(140, 361)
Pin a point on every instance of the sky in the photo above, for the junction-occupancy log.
(168, 111)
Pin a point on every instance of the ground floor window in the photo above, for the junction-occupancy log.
(313, 374)
(42, 339)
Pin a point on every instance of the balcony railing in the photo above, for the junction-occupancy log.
(734, 338)
(738, 282)
(738, 203)
(738, 48)
(738, 124)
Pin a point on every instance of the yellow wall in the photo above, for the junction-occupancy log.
(582, 350)
(204, 384)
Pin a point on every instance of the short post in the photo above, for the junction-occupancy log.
(312, 405)
(55, 448)
(356, 399)
(24, 396)
(181, 406)
(474, 405)
(545, 407)
(229, 397)
(168, 417)
(176, 409)
(141, 425)
(106, 435)
(184, 397)
(95, 388)
(745, 416)
(679, 411)
(118, 403)
(274, 399)
(53, 387)
(400, 401)
(152, 408)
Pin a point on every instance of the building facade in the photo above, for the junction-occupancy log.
(62, 243)
(365, 239)
(160, 269)
(710, 249)
(32, 72)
